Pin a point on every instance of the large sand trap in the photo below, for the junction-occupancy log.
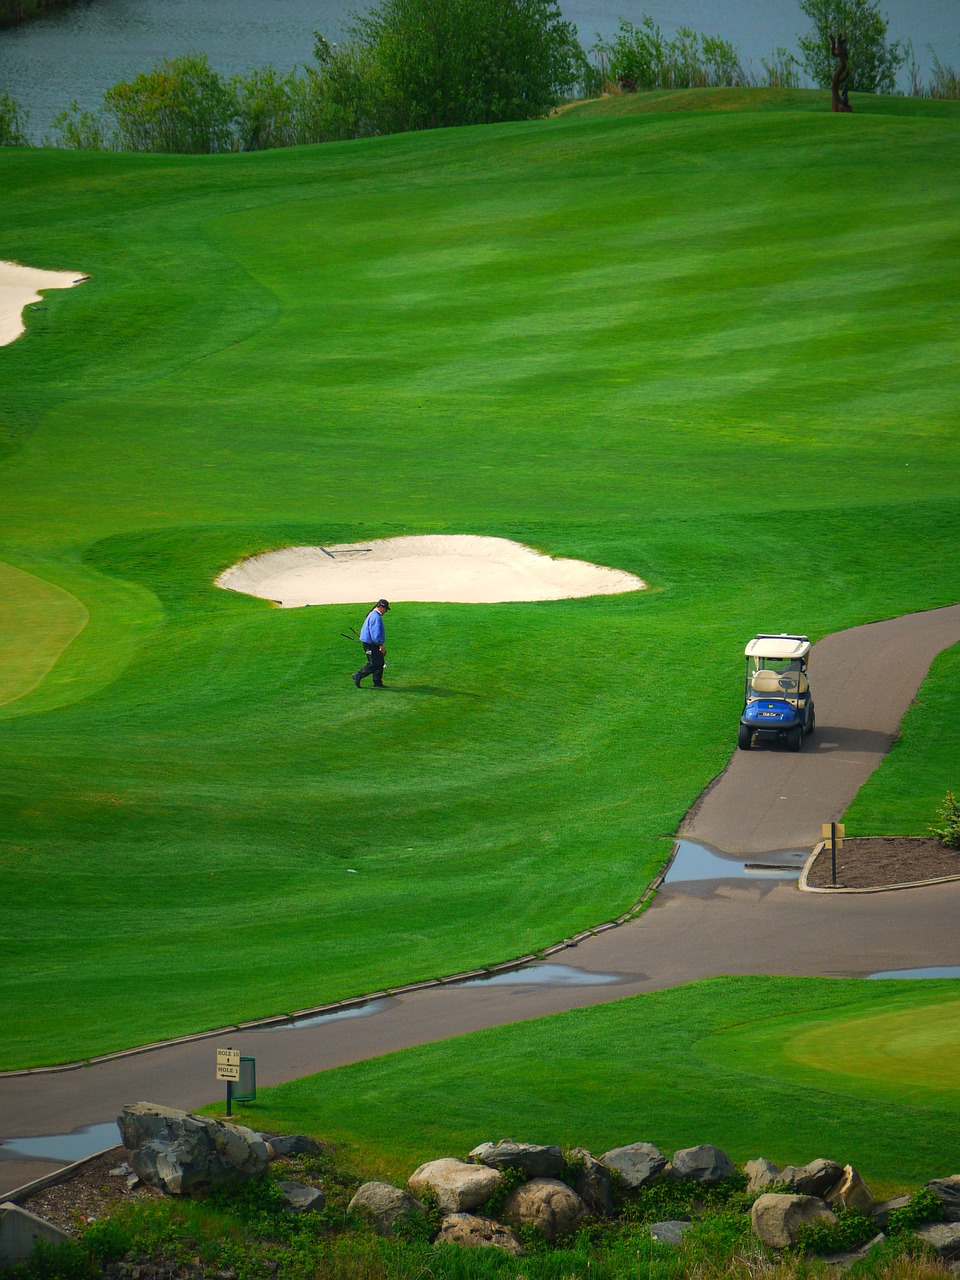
(460, 568)
(19, 287)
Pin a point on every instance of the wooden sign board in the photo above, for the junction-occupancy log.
(828, 833)
(228, 1064)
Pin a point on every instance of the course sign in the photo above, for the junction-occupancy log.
(228, 1064)
(833, 831)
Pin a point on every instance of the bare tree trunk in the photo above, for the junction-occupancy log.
(838, 85)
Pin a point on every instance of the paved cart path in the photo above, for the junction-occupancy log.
(863, 680)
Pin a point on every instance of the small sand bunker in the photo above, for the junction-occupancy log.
(19, 287)
(458, 569)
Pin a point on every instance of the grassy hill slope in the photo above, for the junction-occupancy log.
(714, 348)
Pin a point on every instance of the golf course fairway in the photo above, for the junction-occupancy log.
(713, 348)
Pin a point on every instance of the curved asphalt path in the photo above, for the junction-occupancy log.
(863, 680)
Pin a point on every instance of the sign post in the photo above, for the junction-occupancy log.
(833, 831)
(228, 1068)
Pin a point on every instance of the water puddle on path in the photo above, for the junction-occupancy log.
(700, 862)
(338, 1015)
(546, 975)
(935, 971)
(77, 1144)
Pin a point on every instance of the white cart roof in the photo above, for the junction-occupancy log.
(782, 646)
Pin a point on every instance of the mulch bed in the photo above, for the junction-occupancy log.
(873, 863)
(93, 1192)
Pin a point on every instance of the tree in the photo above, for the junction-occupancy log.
(438, 63)
(874, 62)
(13, 122)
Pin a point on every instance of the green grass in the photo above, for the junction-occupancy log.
(711, 1061)
(714, 348)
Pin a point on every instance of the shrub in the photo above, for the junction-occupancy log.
(851, 1230)
(948, 833)
(78, 130)
(641, 56)
(13, 122)
(924, 1206)
(181, 106)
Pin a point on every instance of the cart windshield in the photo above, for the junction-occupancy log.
(775, 677)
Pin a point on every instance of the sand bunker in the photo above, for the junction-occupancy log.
(457, 569)
(19, 287)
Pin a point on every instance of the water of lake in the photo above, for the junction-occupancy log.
(80, 51)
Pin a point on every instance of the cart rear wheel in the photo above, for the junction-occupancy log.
(813, 721)
(795, 737)
(744, 738)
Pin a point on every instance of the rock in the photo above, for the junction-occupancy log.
(300, 1197)
(547, 1204)
(669, 1232)
(881, 1212)
(761, 1174)
(120, 1171)
(704, 1164)
(948, 1192)
(591, 1181)
(19, 1232)
(776, 1218)
(849, 1256)
(182, 1153)
(293, 1144)
(637, 1164)
(851, 1192)
(813, 1179)
(942, 1236)
(456, 1187)
(535, 1161)
(477, 1233)
(384, 1206)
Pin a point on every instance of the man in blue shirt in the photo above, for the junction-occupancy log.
(372, 637)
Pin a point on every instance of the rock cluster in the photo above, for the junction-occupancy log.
(502, 1187)
(506, 1188)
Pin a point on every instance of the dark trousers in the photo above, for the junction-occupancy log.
(374, 664)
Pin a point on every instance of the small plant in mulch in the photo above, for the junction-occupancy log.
(948, 833)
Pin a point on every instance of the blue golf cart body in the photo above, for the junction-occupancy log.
(777, 702)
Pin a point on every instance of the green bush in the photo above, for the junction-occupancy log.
(644, 57)
(851, 1230)
(181, 106)
(949, 814)
(924, 1206)
(13, 122)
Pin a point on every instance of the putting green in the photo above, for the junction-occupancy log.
(38, 621)
(892, 1052)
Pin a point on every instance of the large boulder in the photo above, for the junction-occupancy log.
(761, 1174)
(547, 1204)
(776, 1219)
(704, 1164)
(944, 1237)
(456, 1187)
(813, 1179)
(183, 1154)
(384, 1206)
(851, 1192)
(637, 1163)
(947, 1191)
(591, 1181)
(293, 1144)
(477, 1233)
(534, 1160)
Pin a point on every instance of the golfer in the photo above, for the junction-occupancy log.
(372, 637)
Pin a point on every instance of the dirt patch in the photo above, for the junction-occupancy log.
(92, 1192)
(873, 863)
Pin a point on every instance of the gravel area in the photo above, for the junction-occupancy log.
(875, 862)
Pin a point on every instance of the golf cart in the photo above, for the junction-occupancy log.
(777, 698)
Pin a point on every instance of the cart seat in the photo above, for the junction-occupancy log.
(786, 685)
